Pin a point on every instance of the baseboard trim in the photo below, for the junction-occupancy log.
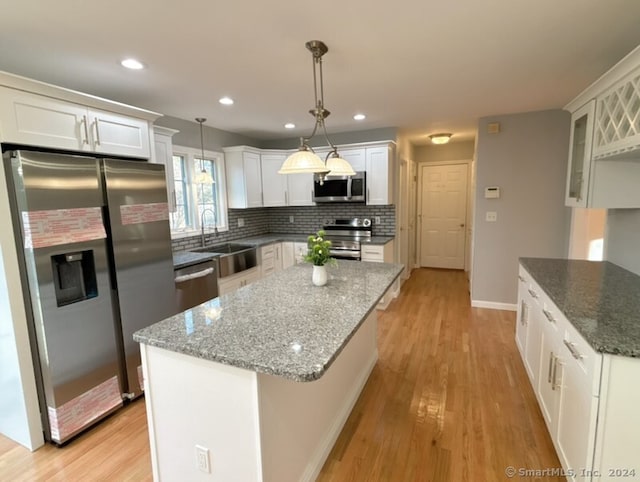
(494, 306)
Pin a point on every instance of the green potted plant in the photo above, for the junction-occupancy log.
(319, 253)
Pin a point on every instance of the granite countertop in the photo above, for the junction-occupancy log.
(600, 299)
(189, 258)
(281, 325)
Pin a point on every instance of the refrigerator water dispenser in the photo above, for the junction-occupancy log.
(74, 277)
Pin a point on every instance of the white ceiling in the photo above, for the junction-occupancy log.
(420, 65)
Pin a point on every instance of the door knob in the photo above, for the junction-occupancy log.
(462, 225)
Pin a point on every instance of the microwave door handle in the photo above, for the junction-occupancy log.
(349, 186)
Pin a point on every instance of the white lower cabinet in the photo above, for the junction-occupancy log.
(550, 379)
(293, 253)
(229, 284)
(271, 259)
(377, 253)
(588, 399)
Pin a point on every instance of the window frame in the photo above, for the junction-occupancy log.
(190, 154)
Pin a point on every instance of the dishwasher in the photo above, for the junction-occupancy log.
(196, 284)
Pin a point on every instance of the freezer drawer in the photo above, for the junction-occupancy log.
(196, 284)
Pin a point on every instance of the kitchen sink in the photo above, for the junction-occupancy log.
(233, 258)
(226, 248)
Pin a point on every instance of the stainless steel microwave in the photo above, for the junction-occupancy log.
(341, 189)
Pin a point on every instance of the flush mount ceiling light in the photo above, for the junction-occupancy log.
(359, 117)
(442, 138)
(132, 64)
(226, 101)
(305, 160)
(289, 125)
(203, 177)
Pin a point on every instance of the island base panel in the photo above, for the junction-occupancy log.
(257, 427)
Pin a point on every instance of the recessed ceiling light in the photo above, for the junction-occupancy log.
(289, 125)
(359, 117)
(226, 101)
(132, 64)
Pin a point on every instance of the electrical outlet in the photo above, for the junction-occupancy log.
(291, 219)
(491, 216)
(240, 222)
(377, 220)
(202, 459)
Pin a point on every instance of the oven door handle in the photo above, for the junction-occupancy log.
(196, 275)
(349, 186)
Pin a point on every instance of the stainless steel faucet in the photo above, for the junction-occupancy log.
(215, 224)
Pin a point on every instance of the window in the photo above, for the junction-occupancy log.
(196, 203)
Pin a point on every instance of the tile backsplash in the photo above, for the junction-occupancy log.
(306, 220)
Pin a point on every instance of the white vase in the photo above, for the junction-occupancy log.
(319, 276)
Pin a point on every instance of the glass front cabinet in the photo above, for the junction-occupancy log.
(580, 155)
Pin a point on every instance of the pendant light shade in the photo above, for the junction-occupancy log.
(305, 160)
(203, 177)
(338, 166)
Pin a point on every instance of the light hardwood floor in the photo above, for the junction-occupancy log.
(449, 400)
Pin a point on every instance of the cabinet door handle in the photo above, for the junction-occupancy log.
(286, 198)
(554, 383)
(86, 130)
(572, 349)
(368, 196)
(95, 123)
(521, 278)
(175, 199)
(533, 293)
(549, 316)
(550, 367)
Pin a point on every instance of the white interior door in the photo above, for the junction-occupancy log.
(403, 217)
(442, 213)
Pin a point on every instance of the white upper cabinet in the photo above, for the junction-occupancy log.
(37, 120)
(617, 130)
(604, 158)
(270, 189)
(356, 157)
(117, 134)
(299, 189)
(244, 177)
(163, 154)
(379, 174)
(580, 156)
(274, 185)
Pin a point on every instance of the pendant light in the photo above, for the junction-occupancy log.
(305, 160)
(203, 177)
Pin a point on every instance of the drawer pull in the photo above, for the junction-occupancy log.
(533, 293)
(549, 316)
(572, 349)
(196, 275)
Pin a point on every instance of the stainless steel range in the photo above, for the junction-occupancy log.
(346, 236)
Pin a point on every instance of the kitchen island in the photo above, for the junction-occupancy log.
(263, 378)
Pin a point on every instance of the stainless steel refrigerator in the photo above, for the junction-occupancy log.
(96, 266)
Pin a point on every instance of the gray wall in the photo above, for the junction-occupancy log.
(527, 160)
(371, 135)
(214, 139)
(622, 241)
(453, 151)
